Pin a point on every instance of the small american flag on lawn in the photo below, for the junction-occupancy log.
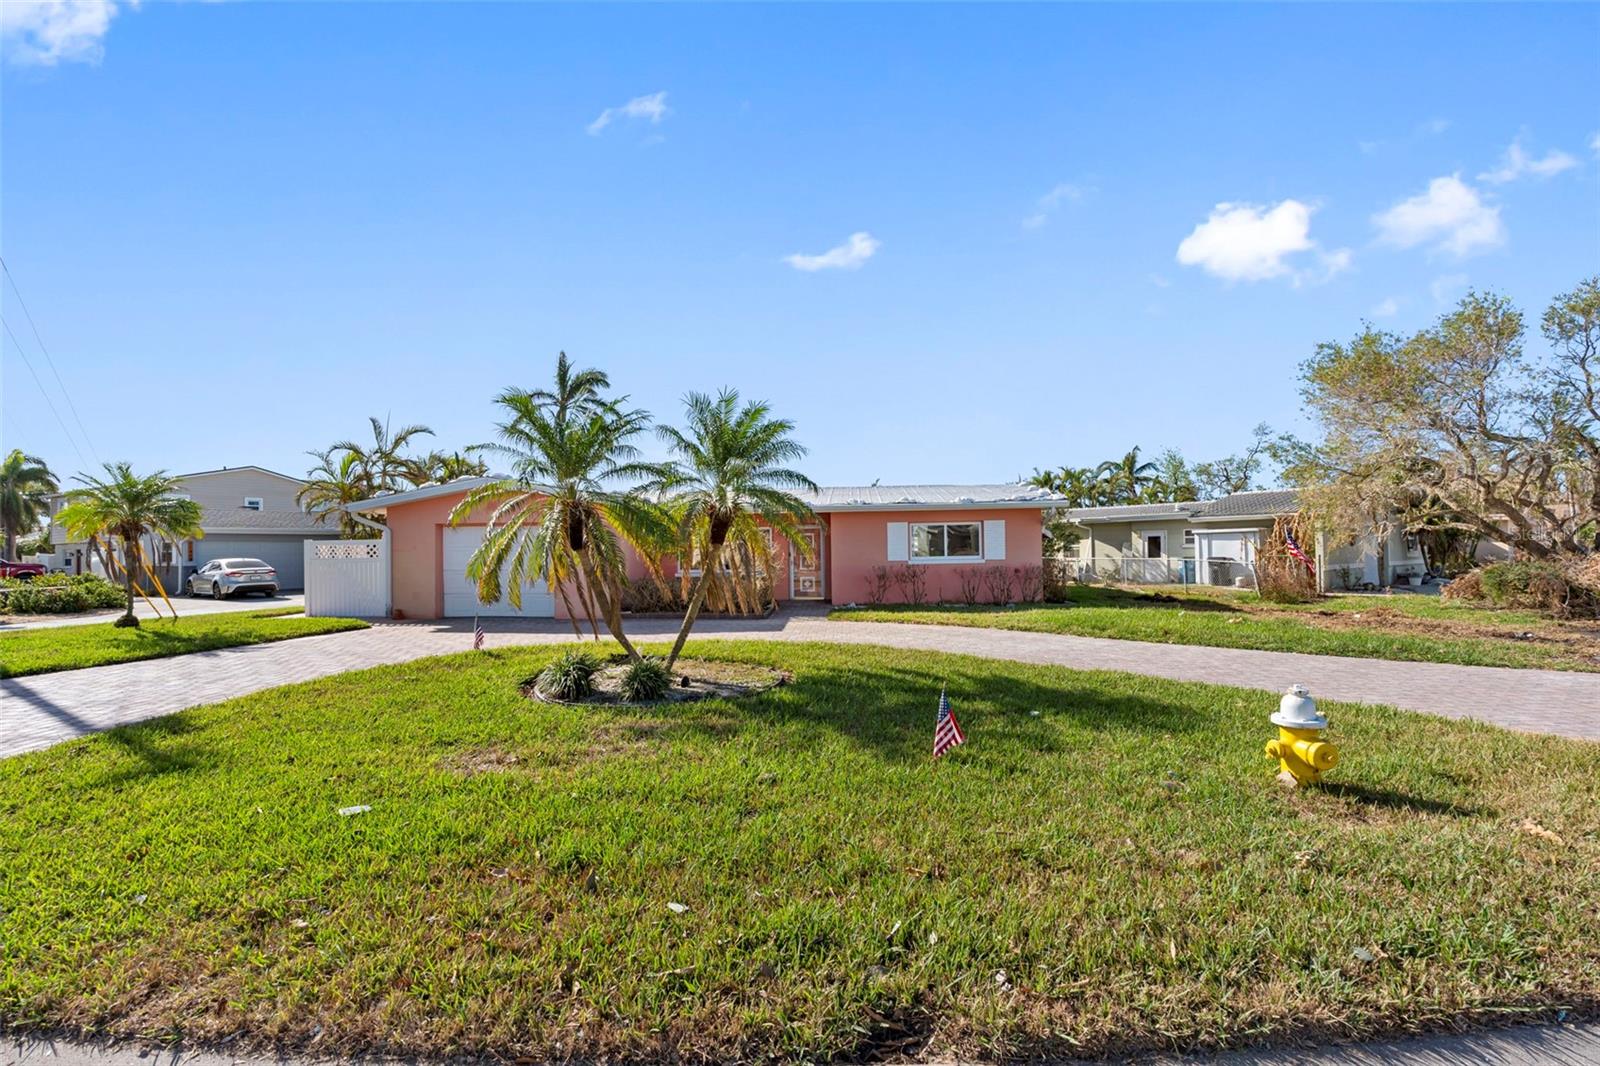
(1294, 550)
(946, 731)
(477, 634)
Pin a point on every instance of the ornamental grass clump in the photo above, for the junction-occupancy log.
(645, 681)
(569, 677)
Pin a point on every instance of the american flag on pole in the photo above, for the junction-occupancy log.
(946, 731)
(477, 634)
(1294, 550)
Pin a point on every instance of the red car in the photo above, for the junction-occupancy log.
(23, 571)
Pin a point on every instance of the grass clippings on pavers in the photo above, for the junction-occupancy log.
(51, 648)
(1106, 866)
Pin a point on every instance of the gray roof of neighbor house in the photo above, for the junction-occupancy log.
(1270, 502)
(1251, 504)
(239, 519)
(907, 497)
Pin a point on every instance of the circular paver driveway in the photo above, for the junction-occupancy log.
(36, 712)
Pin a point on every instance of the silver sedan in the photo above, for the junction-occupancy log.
(224, 577)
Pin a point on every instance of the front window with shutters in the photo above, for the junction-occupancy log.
(933, 541)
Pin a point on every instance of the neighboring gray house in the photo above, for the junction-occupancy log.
(246, 512)
(1214, 542)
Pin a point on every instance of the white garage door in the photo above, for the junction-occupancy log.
(461, 592)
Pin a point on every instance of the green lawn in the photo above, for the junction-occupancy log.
(1106, 867)
(51, 648)
(1408, 628)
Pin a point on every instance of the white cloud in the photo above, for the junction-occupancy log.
(1444, 289)
(1160, 281)
(1386, 308)
(847, 256)
(47, 32)
(1516, 163)
(1450, 215)
(1051, 202)
(1248, 242)
(652, 107)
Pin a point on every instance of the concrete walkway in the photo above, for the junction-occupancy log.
(36, 712)
(1555, 1045)
(184, 606)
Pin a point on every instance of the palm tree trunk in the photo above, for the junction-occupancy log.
(11, 543)
(127, 583)
(713, 558)
(610, 608)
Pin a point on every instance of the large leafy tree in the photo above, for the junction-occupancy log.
(26, 485)
(566, 510)
(1458, 427)
(1236, 473)
(731, 468)
(124, 507)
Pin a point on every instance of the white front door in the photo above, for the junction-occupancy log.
(461, 592)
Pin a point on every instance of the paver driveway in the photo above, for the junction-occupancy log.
(38, 711)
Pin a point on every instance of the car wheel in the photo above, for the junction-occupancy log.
(216, 591)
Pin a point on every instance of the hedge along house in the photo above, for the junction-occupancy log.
(858, 533)
(1214, 542)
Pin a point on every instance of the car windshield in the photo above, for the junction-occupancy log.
(246, 564)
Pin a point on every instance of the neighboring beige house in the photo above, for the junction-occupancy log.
(246, 512)
(1214, 542)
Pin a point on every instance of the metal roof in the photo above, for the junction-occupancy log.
(427, 492)
(889, 497)
(1124, 512)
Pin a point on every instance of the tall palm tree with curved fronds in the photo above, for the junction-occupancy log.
(127, 506)
(564, 513)
(335, 482)
(26, 485)
(1125, 478)
(383, 464)
(730, 468)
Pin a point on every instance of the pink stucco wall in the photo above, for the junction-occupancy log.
(859, 541)
(416, 545)
(854, 543)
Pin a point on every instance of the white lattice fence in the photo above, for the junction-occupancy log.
(347, 578)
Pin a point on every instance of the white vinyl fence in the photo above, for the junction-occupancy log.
(347, 578)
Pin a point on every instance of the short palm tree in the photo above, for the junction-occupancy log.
(127, 506)
(26, 485)
(439, 468)
(730, 468)
(565, 512)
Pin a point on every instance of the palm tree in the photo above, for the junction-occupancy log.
(439, 468)
(335, 482)
(128, 506)
(26, 484)
(381, 463)
(1125, 478)
(565, 511)
(730, 470)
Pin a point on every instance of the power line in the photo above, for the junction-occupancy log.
(65, 394)
(48, 402)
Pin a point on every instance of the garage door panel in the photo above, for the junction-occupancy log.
(461, 591)
(286, 555)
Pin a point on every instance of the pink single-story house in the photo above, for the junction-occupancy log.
(944, 531)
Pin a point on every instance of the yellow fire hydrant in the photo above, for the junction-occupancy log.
(1301, 752)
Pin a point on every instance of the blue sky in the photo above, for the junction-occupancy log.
(953, 243)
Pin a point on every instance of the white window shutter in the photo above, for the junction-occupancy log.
(899, 542)
(994, 538)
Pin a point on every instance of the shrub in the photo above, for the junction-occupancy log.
(997, 579)
(1468, 587)
(1525, 583)
(1030, 584)
(61, 594)
(878, 582)
(646, 595)
(913, 584)
(971, 579)
(1058, 576)
(570, 676)
(646, 681)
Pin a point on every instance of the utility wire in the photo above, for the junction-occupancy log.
(29, 364)
(68, 396)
